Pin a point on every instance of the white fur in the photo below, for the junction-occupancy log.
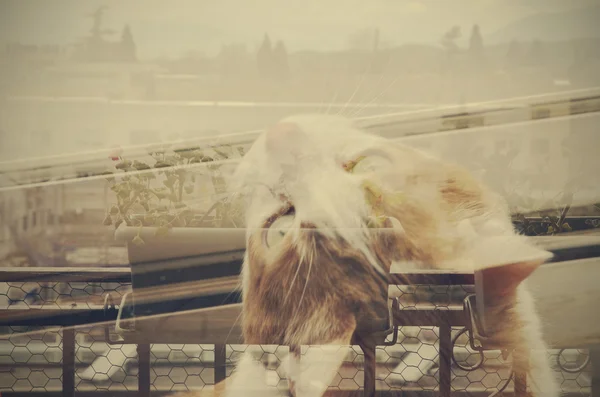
(314, 371)
(312, 180)
(249, 375)
(307, 168)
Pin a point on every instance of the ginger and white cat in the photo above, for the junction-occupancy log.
(330, 208)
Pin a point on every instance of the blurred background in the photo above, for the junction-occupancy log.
(86, 75)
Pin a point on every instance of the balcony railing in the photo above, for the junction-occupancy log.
(59, 338)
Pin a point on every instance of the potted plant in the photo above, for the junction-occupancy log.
(180, 225)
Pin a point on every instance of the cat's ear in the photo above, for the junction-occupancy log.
(503, 262)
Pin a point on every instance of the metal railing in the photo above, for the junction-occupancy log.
(62, 343)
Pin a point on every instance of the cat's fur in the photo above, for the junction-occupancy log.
(326, 278)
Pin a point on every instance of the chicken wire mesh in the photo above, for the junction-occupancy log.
(181, 367)
(15, 295)
(31, 357)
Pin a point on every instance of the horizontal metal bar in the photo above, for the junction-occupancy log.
(211, 325)
(186, 290)
(432, 277)
(429, 317)
(565, 248)
(65, 274)
(570, 247)
(209, 265)
(52, 316)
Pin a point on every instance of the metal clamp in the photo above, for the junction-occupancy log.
(119, 330)
(478, 340)
(392, 329)
(109, 305)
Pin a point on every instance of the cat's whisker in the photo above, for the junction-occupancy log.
(335, 95)
(375, 89)
(300, 262)
(360, 83)
(310, 264)
(234, 325)
(360, 109)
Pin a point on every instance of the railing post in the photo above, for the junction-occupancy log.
(220, 358)
(68, 364)
(595, 362)
(143, 351)
(445, 359)
(370, 351)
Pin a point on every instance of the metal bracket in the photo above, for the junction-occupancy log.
(478, 340)
(392, 329)
(110, 305)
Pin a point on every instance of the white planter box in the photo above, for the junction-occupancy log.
(185, 269)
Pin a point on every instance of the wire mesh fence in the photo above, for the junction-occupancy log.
(57, 294)
(31, 357)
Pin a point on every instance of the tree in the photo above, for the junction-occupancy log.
(265, 57)
(476, 43)
(448, 42)
(128, 47)
(449, 39)
(476, 50)
(280, 61)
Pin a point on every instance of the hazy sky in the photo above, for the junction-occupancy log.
(170, 27)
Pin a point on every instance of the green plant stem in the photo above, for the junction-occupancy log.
(181, 182)
(126, 207)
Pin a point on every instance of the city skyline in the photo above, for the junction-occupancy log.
(171, 30)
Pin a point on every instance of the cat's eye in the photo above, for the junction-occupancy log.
(278, 230)
(370, 164)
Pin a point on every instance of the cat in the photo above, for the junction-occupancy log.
(330, 209)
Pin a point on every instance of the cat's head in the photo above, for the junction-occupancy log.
(330, 208)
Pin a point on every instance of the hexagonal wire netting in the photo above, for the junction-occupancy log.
(31, 358)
